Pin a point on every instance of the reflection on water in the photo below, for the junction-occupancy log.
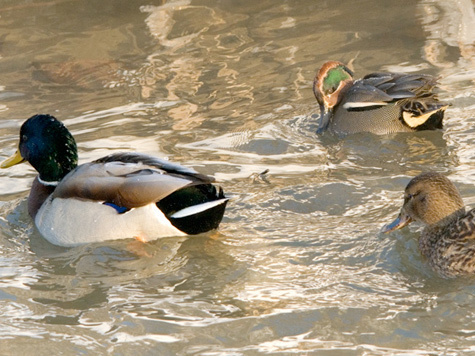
(298, 265)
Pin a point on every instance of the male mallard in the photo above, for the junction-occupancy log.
(380, 103)
(122, 195)
(448, 238)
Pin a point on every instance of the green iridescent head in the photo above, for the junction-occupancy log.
(48, 146)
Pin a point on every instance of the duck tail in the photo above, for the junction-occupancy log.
(195, 209)
(423, 115)
(199, 218)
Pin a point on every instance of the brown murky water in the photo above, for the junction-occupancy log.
(298, 265)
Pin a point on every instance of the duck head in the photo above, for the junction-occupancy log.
(428, 198)
(48, 146)
(329, 85)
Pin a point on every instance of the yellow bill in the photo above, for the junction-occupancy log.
(13, 160)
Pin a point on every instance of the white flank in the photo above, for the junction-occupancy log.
(365, 104)
(196, 209)
(72, 222)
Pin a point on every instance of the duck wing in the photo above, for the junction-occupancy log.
(413, 91)
(454, 252)
(464, 229)
(128, 180)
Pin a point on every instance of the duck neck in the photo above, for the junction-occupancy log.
(52, 171)
(432, 234)
(50, 174)
(38, 194)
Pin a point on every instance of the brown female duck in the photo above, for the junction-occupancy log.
(448, 238)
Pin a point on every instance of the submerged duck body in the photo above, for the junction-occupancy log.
(123, 195)
(448, 238)
(380, 103)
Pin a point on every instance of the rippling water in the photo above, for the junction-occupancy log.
(298, 265)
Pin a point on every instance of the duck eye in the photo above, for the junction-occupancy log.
(24, 138)
(408, 197)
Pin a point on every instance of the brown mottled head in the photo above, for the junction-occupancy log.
(428, 198)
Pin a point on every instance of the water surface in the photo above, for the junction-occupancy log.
(298, 265)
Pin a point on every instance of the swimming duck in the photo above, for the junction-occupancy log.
(448, 238)
(380, 103)
(122, 195)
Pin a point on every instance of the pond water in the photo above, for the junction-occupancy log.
(298, 266)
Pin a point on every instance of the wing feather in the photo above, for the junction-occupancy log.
(127, 180)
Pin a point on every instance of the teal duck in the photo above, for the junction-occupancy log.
(448, 238)
(122, 195)
(381, 103)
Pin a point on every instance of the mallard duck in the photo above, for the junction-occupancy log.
(380, 103)
(122, 195)
(448, 238)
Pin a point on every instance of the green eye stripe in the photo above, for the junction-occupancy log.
(333, 79)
